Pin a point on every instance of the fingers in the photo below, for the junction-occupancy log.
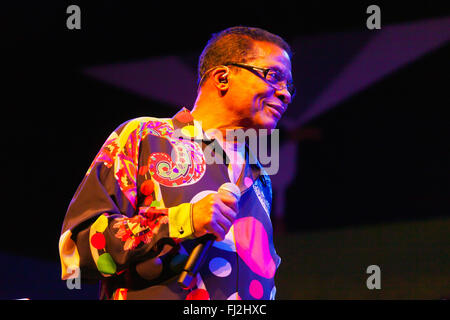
(218, 230)
(215, 214)
(221, 221)
(225, 226)
(229, 200)
(225, 215)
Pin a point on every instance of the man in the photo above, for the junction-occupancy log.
(150, 193)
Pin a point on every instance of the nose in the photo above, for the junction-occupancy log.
(284, 95)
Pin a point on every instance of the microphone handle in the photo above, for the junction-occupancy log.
(195, 261)
(197, 256)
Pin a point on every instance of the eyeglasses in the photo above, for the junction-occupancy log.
(272, 76)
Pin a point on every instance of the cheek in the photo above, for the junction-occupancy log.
(251, 100)
(260, 94)
(260, 98)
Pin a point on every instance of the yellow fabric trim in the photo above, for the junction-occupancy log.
(129, 128)
(68, 254)
(180, 221)
(98, 226)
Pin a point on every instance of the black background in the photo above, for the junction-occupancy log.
(383, 155)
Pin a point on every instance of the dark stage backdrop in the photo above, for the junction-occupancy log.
(365, 162)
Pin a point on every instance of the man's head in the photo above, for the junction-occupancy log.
(250, 69)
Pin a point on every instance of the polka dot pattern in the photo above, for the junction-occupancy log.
(220, 267)
(234, 296)
(98, 241)
(228, 243)
(198, 294)
(256, 289)
(148, 200)
(147, 187)
(252, 245)
(106, 264)
(248, 182)
(100, 224)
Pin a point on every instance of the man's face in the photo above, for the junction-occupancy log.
(259, 104)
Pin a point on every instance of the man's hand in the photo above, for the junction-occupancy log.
(214, 214)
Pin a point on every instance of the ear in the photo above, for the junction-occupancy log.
(220, 77)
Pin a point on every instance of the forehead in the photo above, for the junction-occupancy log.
(267, 54)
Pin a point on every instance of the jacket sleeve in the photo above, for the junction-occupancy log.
(104, 230)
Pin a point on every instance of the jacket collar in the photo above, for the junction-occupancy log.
(187, 127)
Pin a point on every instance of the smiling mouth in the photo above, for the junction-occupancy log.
(276, 110)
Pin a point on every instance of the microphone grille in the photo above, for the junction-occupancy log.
(231, 187)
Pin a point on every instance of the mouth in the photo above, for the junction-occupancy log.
(277, 110)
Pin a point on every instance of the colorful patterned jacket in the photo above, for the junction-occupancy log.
(129, 223)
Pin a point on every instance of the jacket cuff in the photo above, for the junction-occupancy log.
(180, 221)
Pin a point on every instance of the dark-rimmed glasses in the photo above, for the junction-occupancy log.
(272, 76)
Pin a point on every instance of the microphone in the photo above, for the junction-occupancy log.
(198, 255)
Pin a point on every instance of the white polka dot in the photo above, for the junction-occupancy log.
(234, 296)
(220, 267)
(227, 244)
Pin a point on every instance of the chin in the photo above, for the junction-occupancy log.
(268, 125)
(265, 122)
(271, 123)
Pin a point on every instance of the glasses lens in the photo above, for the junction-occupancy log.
(276, 78)
(273, 77)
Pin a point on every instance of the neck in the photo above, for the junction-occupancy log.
(214, 115)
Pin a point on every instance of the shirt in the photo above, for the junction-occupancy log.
(130, 226)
